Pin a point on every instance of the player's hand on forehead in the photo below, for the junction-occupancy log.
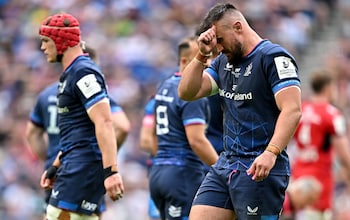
(207, 41)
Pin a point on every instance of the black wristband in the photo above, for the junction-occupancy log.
(51, 172)
(109, 171)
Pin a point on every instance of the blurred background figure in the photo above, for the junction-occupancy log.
(321, 133)
(149, 144)
(178, 166)
(301, 194)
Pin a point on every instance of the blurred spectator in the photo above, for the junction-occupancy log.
(300, 194)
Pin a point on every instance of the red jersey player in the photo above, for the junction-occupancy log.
(321, 131)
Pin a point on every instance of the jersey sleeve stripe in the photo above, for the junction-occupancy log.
(193, 121)
(284, 84)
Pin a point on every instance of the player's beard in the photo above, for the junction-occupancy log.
(236, 54)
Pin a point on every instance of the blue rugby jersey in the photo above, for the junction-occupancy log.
(44, 115)
(172, 115)
(250, 110)
(215, 125)
(81, 85)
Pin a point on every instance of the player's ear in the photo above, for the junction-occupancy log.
(237, 26)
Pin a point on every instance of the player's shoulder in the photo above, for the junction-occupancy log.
(327, 110)
(83, 65)
(168, 85)
(150, 103)
(51, 89)
(333, 110)
(268, 48)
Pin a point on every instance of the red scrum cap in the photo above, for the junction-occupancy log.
(63, 29)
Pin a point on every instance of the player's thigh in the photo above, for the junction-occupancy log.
(54, 213)
(257, 200)
(204, 212)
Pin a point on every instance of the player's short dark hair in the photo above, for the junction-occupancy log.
(184, 45)
(320, 79)
(89, 50)
(214, 15)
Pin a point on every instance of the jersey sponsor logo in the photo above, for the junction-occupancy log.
(308, 154)
(62, 110)
(285, 67)
(88, 205)
(52, 98)
(251, 211)
(88, 85)
(174, 211)
(164, 98)
(234, 87)
(228, 67)
(235, 96)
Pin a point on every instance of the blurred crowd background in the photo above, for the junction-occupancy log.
(136, 43)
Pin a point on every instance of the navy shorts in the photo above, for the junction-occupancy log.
(79, 187)
(173, 188)
(236, 190)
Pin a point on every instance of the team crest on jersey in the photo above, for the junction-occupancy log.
(285, 67)
(248, 70)
(89, 86)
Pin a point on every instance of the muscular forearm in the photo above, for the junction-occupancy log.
(288, 101)
(105, 136)
(285, 127)
(191, 81)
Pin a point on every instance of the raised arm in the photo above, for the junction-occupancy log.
(195, 83)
